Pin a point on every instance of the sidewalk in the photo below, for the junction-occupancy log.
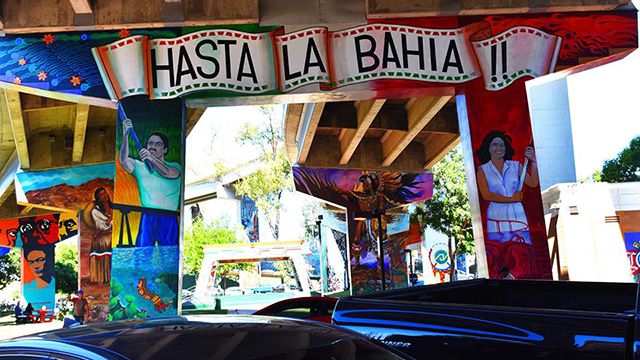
(9, 329)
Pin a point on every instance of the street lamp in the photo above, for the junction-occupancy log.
(379, 214)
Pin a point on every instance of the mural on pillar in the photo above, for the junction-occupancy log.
(145, 239)
(336, 262)
(249, 218)
(503, 154)
(632, 244)
(87, 190)
(365, 194)
(37, 236)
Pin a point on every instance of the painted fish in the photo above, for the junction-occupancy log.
(159, 304)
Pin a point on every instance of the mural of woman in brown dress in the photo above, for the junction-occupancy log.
(101, 216)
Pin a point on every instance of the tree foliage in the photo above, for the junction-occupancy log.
(200, 234)
(449, 211)
(66, 269)
(625, 167)
(9, 268)
(266, 185)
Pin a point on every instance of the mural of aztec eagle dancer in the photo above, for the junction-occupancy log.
(364, 192)
(367, 194)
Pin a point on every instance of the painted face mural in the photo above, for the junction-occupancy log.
(36, 259)
(9, 233)
(40, 230)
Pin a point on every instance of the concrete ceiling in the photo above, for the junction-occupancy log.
(408, 135)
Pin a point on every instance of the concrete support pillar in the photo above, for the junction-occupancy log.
(504, 186)
(148, 203)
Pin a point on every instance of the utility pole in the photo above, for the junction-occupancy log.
(381, 250)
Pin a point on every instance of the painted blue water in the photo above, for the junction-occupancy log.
(158, 265)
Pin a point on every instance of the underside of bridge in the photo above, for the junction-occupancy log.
(409, 133)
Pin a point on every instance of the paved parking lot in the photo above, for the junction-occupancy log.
(9, 329)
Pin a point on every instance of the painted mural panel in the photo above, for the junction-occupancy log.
(148, 190)
(502, 150)
(364, 253)
(365, 194)
(37, 237)
(249, 218)
(60, 62)
(632, 244)
(249, 59)
(87, 190)
(334, 236)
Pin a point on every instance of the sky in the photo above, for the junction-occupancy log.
(213, 139)
(604, 112)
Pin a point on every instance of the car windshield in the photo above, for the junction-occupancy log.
(240, 341)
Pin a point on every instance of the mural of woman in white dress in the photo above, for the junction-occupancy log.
(500, 183)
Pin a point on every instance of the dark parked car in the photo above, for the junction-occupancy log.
(314, 308)
(501, 320)
(213, 337)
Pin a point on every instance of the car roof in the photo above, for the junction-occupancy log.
(242, 337)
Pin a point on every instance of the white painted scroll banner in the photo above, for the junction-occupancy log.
(125, 62)
(263, 63)
(518, 52)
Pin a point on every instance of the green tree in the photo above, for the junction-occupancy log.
(625, 167)
(9, 268)
(66, 269)
(201, 234)
(448, 211)
(266, 185)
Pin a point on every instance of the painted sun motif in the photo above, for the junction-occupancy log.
(17, 80)
(75, 80)
(49, 39)
(42, 75)
(22, 62)
(124, 33)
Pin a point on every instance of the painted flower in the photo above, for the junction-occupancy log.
(42, 75)
(49, 39)
(22, 62)
(124, 33)
(17, 80)
(75, 80)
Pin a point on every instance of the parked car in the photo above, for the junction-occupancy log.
(310, 308)
(213, 337)
(501, 319)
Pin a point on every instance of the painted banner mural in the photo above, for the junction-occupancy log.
(365, 194)
(486, 58)
(37, 236)
(147, 198)
(86, 190)
(253, 63)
